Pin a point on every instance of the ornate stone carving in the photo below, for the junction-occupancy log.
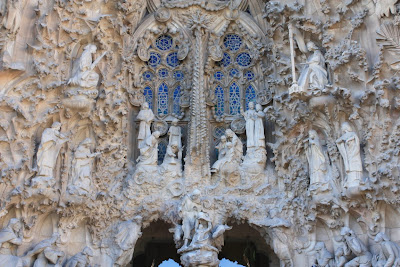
(81, 258)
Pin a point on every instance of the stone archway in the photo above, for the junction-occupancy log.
(154, 246)
(246, 246)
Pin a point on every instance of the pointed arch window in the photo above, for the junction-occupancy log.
(234, 99)
(250, 96)
(162, 100)
(176, 108)
(148, 96)
(219, 108)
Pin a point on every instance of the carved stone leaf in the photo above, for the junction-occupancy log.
(389, 37)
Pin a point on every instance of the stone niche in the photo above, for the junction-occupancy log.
(263, 132)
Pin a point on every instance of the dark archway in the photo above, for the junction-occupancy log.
(155, 246)
(246, 246)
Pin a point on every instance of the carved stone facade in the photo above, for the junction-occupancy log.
(280, 115)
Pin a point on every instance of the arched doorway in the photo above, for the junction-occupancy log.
(246, 246)
(154, 246)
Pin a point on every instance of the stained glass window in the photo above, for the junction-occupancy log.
(155, 59)
(148, 75)
(178, 75)
(249, 75)
(250, 96)
(172, 60)
(177, 95)
(163, 73)
(218, 75)
(234, 73)
(162, 150)
(232, 42)
(226, 60)
(148, 96)
(219, 131)
(219, 94)
(162, 105)
(164, 42)
(234, 99)
(243, 59)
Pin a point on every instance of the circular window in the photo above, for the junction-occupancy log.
(155, 59)
(232, 42)
(172, 59)
(163, 73)
(243, 59)
(164, 42)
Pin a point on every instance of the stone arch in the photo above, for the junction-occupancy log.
(154, 246)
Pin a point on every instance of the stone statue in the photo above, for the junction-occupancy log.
(12, 21)
(48, 150)
(175, 135)
(235, 147)
(145, 116)
(222, 151)
(127, 233)
(340, 257)
(81, 259)
(82, 169)
(48, 255)
(149, 150)
(202, 234)
(259, 135)
(349, 147)
(250, 117)
(323, 257)
(390, 250)
(314, 75)
(188, 211)
(172, 162)
(316, 162)
(363, 256)
(10, 236)
(86, 77)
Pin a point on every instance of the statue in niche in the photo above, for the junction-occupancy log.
(259, 135)
(363, 256)
(202, 233)
(349, 147)
(222, 151)
(316, 163)
(323, 257)
(149, 150)
(314, 76)
(390, 251)
(12, 21)
(175, 134)
(82, 165)
(47, 155)
(146, 117)
(250, 117)
(86, 77)
(172, 162)
(81, 259)
(10, 236)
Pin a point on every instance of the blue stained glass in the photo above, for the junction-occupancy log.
(172, 59)
(148, 96)
(234, 73)
(148, 75)
(162, 105)
(155, 59)
(234, 99)
(250, 96)
(177, 96)
(164, 42)
(218, 75)
(162, 150)
(249, 75)
(232, 42)
(163, 73)
(219, 131)
(219, 94)
(226, 60)
(178, 75)
(243, 59)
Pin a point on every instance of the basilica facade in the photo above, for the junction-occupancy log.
(136, 131)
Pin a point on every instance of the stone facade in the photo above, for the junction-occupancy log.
(282, 115)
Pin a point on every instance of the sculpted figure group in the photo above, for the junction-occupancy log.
(44, 254)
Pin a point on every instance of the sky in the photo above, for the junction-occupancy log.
(223, 263)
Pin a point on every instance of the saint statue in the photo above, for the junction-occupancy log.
(12, 21)
(363, 256)
(250, 117)
(349, 147)
(323, 257)
(202, 235)
(390, 250)
(316, 161)
(259, 135)
(222, 151)
(10, 237)
(175, 134)
(86, 77)
(82, 169)
(314, 75)
(189, 212)
(235, 147)
(81, 259)
(149, 150)
(48, 150)
(172, 161)
(146, 116)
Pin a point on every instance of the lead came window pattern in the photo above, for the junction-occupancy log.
(219, 108)
(234, 99)
(164, 74)
(250, 96)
